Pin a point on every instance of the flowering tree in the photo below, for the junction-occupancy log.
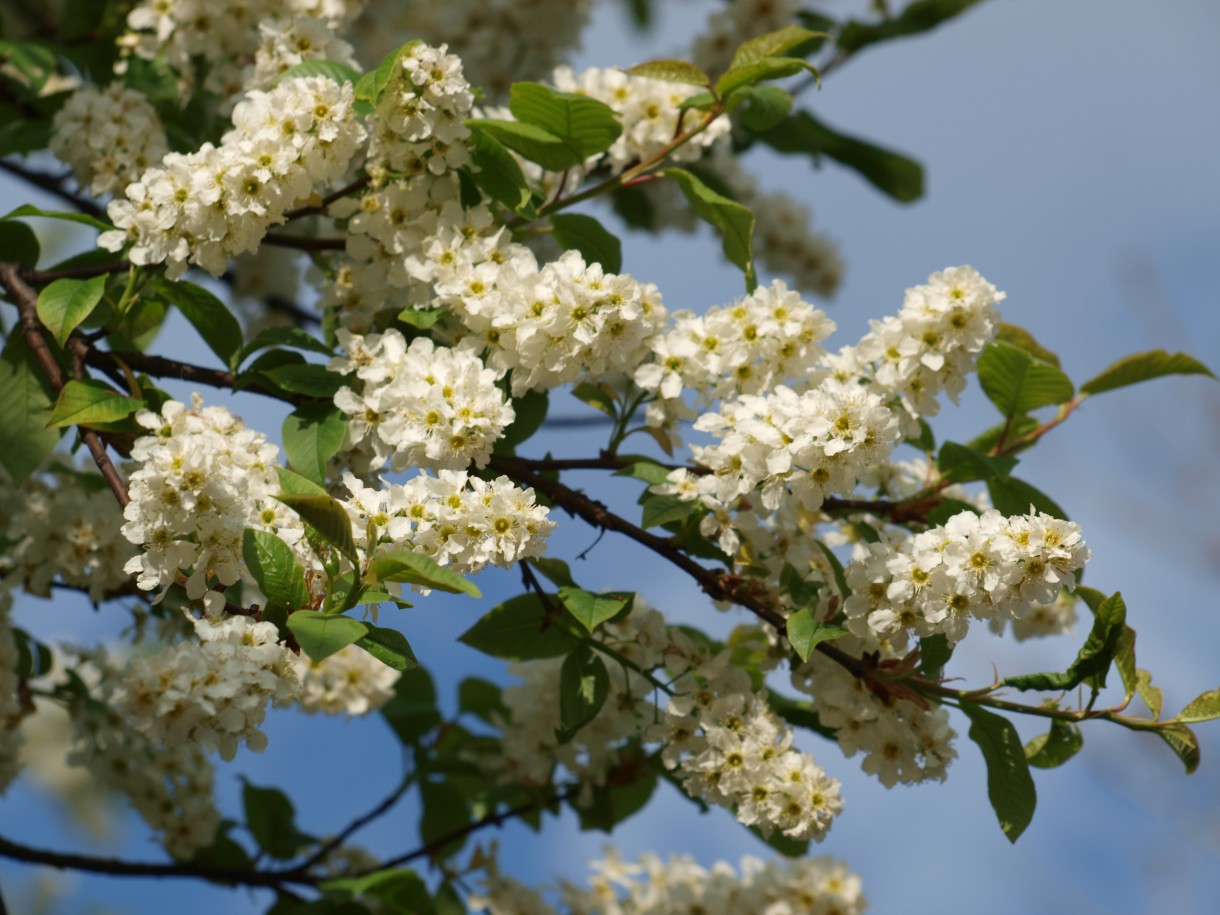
(394, 256)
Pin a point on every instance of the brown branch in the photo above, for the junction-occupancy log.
(32, 330)
(361, 821)
(319, 208)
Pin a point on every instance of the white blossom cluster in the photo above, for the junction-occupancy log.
(553, 325)
(501, 41)
(65, 532)
(107, 136)
(10, 702)
(929, 346)
(748, 347)
(213, 204)
(349, 682)
(168, 783)
(984, 567)
(730, 749)
(810, 445)
(204, 477)
(1041, 618)
(285, 43)
(419, 405)
(456, 519)
(739, 21)
(648, 110)
(211, 693)
(900, 740)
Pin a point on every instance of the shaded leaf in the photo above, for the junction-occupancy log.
(764, 106)
(327, 516)
(584, 125)
(735, 222)
(661, 509)
(576, 231)
(19, 244)
(389, 646)
(284, 336)
(804, 632)
(1183, 742)
(272, 821)
(29, 210)
(276, 569)
(313, 434)
(340, 73)
(305, 378)
(591, 610)
(1009, 785)
(920, 16)
(671, 71)
(208, 315)
(496, 172)
(418, 569)
(25, 399)
(90, 403)
(322, 634)
(518, 630)
(584, 684)
(1056, 746)
(1016, 382)
(529, 141)
(1023, 339)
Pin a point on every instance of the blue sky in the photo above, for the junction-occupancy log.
(1070, 157)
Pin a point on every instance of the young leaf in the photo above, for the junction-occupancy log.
(1203, 707)
(735, 222)
(322, 634)
(418, 569)
(276, 569)
(1152, 696)
(327, 516)
(1023, 339)
(1183, 742)
(25, 398)
(389, 646)
(272, 821)
(660, 510)
(1056, 746)
(584, 684)
(1098, 651)
(64, 303)
(370, 86)
(671, 71)
(88, 403)
(518, 630)
(733, 82)
(1009, 785)
(584, 125)
(591, 610)
(208, 315)
(313, 434)
(804, 632)
(1016, 382)
(293, 484)
(340, 73)
(575, 231)
(1143, 367)
(773, 44)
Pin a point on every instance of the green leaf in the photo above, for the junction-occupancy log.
(1009, 785)
(735, 222)
(313, 434)
(556, 570)
(88, 403)
(584, 125)
(272, 821)
(1098, 651)
(412, 712)
(389, 646)
(322, 634)
(305, 378)
(836, 569)
(584, 684)
(960, 464)
(293, 484)
(483, 699)
(764, 106)
(1203, 707)
(799, 714)
(671, 71)
(591, 610)
(529, 141)
(737, 79)
(1183, 742)
(804, 632)
(519, 630)
(340, 73)
(208, 315)
(284, 336)
(1016, 382)
(1152, 696)
(892, 173)
(529, 413)
(422, 318)
(789, 848)
(418, 569)
(934, 653)
(643, 468)
(21, 137)
(773, 44)
(985, 442)
(497, 173)
(396, 890)
(660, 510)
(19, 244)
(1056, 746)
(600, 397)
(575, 231)
(27, 210)
(1014, 497)
(328, 518)
(920, 16)
(25, 399)
(370, 86)
(445, 812)
(276, 569)
(1023, 339)
(1143, 367)
(64, 303)
(611, 804)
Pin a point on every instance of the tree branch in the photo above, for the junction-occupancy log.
(54, 186)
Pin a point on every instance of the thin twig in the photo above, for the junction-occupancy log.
(54, 186)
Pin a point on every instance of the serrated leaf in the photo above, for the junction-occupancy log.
(326, 516)
(1056, 746)
(64, 303)
(1010, 787)
(518, 630)
(390, 647)
(584, 125)
(893, 173)
(584, 684)
(418, 569)
(773, 44)
(496, 172)
(313, 434)
(1143, 367)
(272, 821)
(735, 222)
(340, 73)
(208, 315)
(1203, 707)
(591, 610)
(322, 634)
(920, 16)
(578, 232)
(737, 79)
(276, 569)
(89, 403)
(960, 464)
(1183, 742)
(671, 71)
(530, 142)
(1023, 339)
(660, 510)
(1017, 383)
(805, 632)
(25, 399)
